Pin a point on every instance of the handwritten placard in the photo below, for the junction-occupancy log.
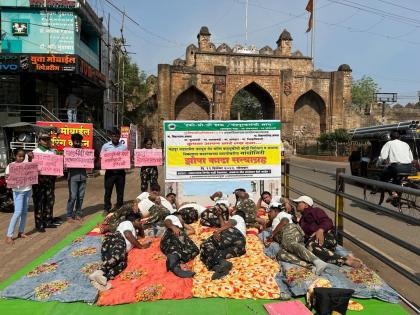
(114, 160)
(147, 157)
(79, 158)
(49, 164)
(22, 174)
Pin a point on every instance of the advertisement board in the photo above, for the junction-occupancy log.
(38, 31)
(222, 150)
(63, 139)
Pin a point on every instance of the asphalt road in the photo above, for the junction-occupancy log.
(397, 228)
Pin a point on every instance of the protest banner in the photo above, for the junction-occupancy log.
(63, 138)
(148, 157)
(79, 158)
(222, 150)
(112, 160)
(22, 174)
(49, 164)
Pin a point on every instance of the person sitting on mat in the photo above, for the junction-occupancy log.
(228, 241)
(177, 245)
(115, 247)
(247, 206)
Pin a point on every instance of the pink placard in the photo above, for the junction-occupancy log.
(79, 158)
(147, 157)
(115, 160)
(49, 164)
(287, 308)
(22, 174)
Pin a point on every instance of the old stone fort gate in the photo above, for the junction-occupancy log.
(203, 85)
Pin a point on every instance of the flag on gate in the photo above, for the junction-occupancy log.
(310, 9)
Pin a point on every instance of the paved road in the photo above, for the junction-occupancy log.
(397, 228)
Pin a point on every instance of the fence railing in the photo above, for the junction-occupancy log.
(341, 180)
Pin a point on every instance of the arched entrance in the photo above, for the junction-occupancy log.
(309, 116)
(252, 103)
(192, 104)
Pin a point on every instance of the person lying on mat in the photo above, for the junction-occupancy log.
(226, 242)
(319, 233)
(209, 216)
(171, 198)
(111, 222)
(190, 212)
(115, 247)
(153, 214)
(177, 245)
(246, 205)
(290, 237)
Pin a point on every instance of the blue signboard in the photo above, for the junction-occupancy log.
(38, 32)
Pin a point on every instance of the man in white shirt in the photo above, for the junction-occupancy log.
(228, 241)
(397, 154)
(114, 251)
(177, 245)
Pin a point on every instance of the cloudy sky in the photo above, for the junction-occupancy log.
(379, 38)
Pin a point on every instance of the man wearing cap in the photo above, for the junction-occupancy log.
(246, 205)
(43, 193)
(114, 177)
(208, 217)
(319, 233)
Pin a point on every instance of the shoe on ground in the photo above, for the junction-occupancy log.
(223, 269)
(40, 229)
(98, 276)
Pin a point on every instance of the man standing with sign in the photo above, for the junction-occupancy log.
(44, 192)
(115, 176)
(77, 184)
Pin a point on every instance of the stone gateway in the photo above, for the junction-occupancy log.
(203, 85)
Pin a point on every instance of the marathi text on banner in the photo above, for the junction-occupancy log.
(22, 174)
(49, 164)
(79, 158)
(227, 150)
(114, 160)
(63, 138)
(148, 157)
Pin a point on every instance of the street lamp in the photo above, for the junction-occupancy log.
(384, 98)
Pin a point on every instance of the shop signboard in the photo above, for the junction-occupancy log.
(28, 31)
(222, 150)
(63, 138)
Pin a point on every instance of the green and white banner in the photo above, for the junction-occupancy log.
(222, 150)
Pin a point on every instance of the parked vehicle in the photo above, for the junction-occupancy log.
(366, 145)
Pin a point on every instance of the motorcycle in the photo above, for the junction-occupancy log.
(6, 196)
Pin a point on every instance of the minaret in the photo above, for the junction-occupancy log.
(284, 44)
(204, 43)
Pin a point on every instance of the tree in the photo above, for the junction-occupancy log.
(330, 139)
(362, 91)
(246, 106)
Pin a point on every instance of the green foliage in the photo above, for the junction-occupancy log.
(362, 91)
(247, 105)
(339, 135)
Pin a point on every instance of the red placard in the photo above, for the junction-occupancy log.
(49, 164)
(147, 157)
(22, 174)
(115, 160)
(79, 158)
(63, 139)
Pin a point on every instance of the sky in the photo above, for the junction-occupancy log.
(377, 38)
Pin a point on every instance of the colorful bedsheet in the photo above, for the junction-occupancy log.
(252, 275)
(64, 277)
(146, 279)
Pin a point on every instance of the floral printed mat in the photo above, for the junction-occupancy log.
(64, 277)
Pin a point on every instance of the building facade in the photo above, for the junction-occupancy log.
(50, 49)
(203, 85)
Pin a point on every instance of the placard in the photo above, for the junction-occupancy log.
(22, 174)
(49, 164)
(63, 138)
(148, 157)
(222, 150)
(79, 158)
(115, 160)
